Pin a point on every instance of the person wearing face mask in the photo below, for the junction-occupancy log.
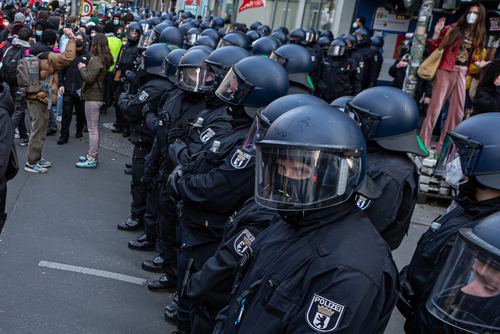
(359, 24)
(321, 266)
(467, 292)
(40, 27)
(70, 87)
(470, 162)
(460, 42)
(116, 20)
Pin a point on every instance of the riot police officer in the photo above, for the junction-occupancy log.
(369, 67)
(265, 46)
(126, 62)
(389, 118)
(216, 184)
(338, 75)
(469, 161)
(377, 43)
(297, 63)
(352, 47)
(298, 36)
(322, 266)
(142, 137)
(467, 292)
(210, 288)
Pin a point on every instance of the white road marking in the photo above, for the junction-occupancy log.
(90, 271)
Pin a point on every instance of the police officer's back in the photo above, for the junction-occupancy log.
(322, 266)
(396, 117)
(298, 63)
(369, 64)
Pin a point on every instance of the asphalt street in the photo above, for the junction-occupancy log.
(66, 268)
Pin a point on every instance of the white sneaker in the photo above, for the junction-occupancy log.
(16, 134)
(58, 119)
(35, 168)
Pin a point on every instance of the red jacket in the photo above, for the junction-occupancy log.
(449, 57)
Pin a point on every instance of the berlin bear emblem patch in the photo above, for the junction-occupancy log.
(206, 135)
(143, 96)
(240, 160)
(243, 241)
(324, 315)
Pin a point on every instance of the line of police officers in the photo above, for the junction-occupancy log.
(275, 212)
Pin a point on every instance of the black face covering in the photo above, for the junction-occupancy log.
(79, 43)
(469, 188)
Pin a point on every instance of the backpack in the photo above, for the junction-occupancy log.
(9, 64)
(28, 77)
(109, 91)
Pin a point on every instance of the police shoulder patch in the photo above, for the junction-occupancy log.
(362, 202)
(143, 96)
(243, 241)
(324, 315)
(240, 160)
(206, 135)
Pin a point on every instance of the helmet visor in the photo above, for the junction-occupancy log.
(133, 33)
(223, 43)
(282, 60)
(234, 89)
(145, 26)
(144, 41)
(336, 51)
(188, 78)
(231, 29)
(256, 133)
(165, 66)
(211, 76)
(292, 179)
(367, 121)
(456, 150)
(310, 36)
(467, 292)
(191, 38)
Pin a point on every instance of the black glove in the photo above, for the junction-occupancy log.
(406, 295)
(147, 183)
(405, 285)
(173, 191)
(177, 133)
(126, 86)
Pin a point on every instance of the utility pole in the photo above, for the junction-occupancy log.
(418, 47)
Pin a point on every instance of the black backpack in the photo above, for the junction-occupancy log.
(109, 89)
(9, 64)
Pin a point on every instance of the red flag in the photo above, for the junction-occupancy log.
(198, 2)
(247, 4)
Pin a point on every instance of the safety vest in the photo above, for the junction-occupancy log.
(115, 46)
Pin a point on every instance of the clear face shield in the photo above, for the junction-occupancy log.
(231, 29)
(191, 38)
(223, 43)
(188, 78)
(367, 121)
(282, 60)
(145, 26)
(234, 89)
(144, 42)
(310, 37)
(133, 33)
(211, 76)
(294, 179)
(467, 292)
(336, 51)
(255, 134)
(457, 158)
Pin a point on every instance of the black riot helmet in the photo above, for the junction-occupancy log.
(327, 33)
(208, 18)
(266, 116)
(255, 25)
(212, 33)
(172, 36)
(253, 35)
(377, 42)
(310, 36)
(135, 29)
(233, 39)
(185, 26)
(192, 35)
(189, 71)
(265, 46)
(467, 292)
(282, 29)
(265, 29)
(196, 23)
(217, 23)
(341, 102)
(341, 36)
(187, 15)
(472, 149)
(281, 36)
(145, 25)
(152, 58)
(157, 30)
(201, 47)
(144, 41)
(337, 49)
(170, 63)
(218, 64)
(389, 117)
(206, 40)
(154, 21)
(204, 25)
(165, 17)
(297, 36)
(222, 32)
(244, 84)
(312, 157)
(324, 42)
(297, 62)
(352, 42)
(363, 36)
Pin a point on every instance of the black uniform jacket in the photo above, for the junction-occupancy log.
(331, 273)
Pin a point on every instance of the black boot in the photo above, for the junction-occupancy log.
(131, 224)
(62, 140)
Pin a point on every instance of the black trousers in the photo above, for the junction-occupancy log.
(20, 107)
(166, 230)
(138, 206)
(122, 122)
(69, 102)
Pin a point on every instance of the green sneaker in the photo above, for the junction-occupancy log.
(88, 163)
(35, 168)
(44, 163)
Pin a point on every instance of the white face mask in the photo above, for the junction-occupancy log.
(471, 18)
(6, 23)
(355, 25)
(454, 176)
